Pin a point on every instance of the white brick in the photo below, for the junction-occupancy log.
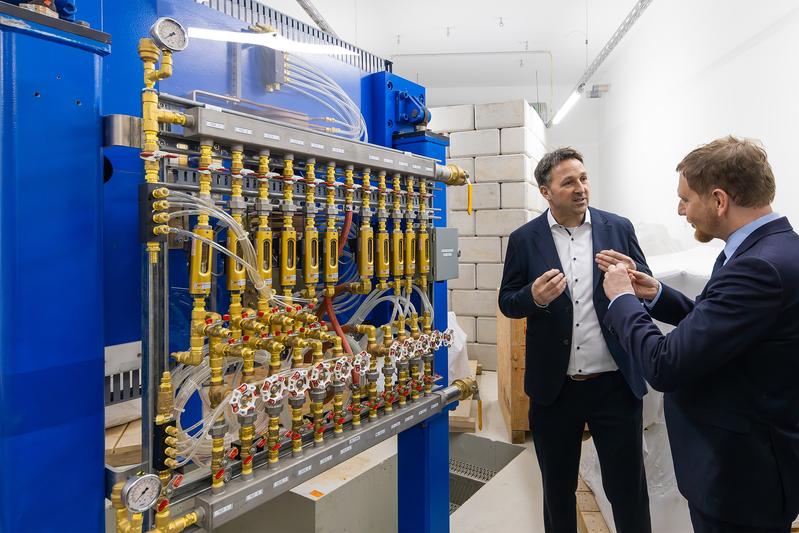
(504, 247)
(522, 196)
(472, 143)
(449, 300)
(468, 325)
(466, 163)
(470, 303)
(463, 221)
(501, 222)
(489, 275)
(484, 196)
(466, 277)
(479, 249)
(514, 167)
(452, 118)
(486, 354)
(509, 115)
(487, 330)
(521, 141)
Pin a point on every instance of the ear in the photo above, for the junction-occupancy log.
(544, 190)
(721, 201)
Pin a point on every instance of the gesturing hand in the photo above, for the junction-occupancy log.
(645, 286)
(548, 286)
(617, 281)
(605, 258)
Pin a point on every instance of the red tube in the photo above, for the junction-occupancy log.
(336, 325)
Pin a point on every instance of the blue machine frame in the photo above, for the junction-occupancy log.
(73, 273)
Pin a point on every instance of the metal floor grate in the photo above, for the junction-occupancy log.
(477, 473)
(464, 480)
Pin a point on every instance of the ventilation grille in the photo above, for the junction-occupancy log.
(252, 12)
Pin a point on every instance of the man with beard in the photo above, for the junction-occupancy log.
(576, 372)
(729, 368)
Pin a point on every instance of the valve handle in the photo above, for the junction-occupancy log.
(273, 389)
(242, 399)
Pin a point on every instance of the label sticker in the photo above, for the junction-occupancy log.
(245, 131)
(403, 164)
(280, 481)
(374, 158)
(272, 136)
(223, 510)
(325, 459)
(434, 405)
(409, 418)
(381, 432)
(338, 150)
(297, 141)
(254, 495)
(215, 125)
(344, 450)
(389, 161)
(417, 167)
(429, 169)
(423, 411)
(395, 425)
(355, 439)
(305, 470)
(318, 146)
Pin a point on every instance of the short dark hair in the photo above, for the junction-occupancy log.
(551, 160)
(739, 167)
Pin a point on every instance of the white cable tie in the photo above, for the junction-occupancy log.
(246, 172)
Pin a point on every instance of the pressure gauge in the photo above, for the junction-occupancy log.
(140, 492)
(168, 34)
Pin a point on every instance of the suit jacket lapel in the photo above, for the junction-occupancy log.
(600, 232)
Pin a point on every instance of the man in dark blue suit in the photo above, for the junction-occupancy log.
(576, 371)
(729, 368)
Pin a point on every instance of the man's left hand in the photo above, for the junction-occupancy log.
(617, 281)
(605, 258)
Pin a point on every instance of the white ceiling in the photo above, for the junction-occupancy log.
(401, 30)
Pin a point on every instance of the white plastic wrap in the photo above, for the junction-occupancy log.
(458, 366)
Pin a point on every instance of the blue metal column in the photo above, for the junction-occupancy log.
(423, 461)
(51, 327)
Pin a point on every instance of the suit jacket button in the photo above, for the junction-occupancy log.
(565, 342)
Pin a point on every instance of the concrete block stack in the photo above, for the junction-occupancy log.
(500, 145)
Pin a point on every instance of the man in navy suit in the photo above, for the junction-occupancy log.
(729, 368)
(576, 372)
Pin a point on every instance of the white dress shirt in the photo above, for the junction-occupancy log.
(589, 353)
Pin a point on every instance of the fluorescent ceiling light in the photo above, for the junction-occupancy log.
(565, 108)
(271, 40)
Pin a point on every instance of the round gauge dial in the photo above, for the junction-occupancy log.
(140, 493)
(169, 34)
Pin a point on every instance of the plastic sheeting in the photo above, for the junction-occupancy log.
(458, 358)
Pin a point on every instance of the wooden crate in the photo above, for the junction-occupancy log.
(510, 376)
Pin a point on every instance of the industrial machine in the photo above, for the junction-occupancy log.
(279, 282)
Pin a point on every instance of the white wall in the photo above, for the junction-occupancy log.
(687, 73)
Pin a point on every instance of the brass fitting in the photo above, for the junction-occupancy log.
(123, 523)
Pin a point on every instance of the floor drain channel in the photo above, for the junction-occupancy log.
(464, 480)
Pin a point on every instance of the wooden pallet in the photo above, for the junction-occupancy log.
(513, 402)
(123, 444)
(589, 517)
(464, 417)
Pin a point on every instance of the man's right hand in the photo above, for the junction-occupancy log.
(548, 286)
(645, 286)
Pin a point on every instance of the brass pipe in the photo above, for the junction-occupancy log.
(382, 249)
(236, 273)
(366, 261)
(331, 235)
(338, 407)
(123, 523)
(263, 234)
(355, 404)
(163, 524)
(410, 237)
(296, 404)
(397, 238)
(310, 258)
(388, 368)
(288, 235)
(423, 240)
(272, 443)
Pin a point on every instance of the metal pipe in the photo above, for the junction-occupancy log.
(317, 17)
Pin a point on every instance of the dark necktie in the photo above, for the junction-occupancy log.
(719, 263)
